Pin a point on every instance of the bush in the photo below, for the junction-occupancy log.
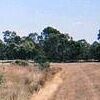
(21, 63)
(42, 62)
(45, 65)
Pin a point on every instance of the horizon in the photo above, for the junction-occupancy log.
(78, 18)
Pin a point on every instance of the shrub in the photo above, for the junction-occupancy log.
(45, 65)
(41, 62)
(21, 63)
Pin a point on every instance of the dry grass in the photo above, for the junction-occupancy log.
(19, 82)
(80, 81)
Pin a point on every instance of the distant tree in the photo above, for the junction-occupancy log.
(10, 51)
(56, 45)
(49, 31)
(26, 48)
(99, 35)
(95, 51)
(48, 41)
(1, 50)
(33, 37)
(51, 45)
(11, 37)
(84, 49)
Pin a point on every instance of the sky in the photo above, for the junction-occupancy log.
(79, 18)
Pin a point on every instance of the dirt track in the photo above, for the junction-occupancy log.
(73, 82)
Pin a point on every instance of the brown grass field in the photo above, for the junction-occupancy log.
(64, 81)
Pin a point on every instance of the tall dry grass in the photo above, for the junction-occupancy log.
(19, 83)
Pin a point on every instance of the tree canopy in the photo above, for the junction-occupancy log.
(51, 45)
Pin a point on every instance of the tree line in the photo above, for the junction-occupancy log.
(51, 45)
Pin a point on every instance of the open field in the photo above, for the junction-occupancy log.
(74, 81)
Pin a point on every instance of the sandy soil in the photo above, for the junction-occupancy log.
(74, 82)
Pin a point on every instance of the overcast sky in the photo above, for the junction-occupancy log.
(79, 18)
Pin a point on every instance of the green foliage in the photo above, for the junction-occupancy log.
(99, 35)
(50, 46)
(49, 31)
(1, 50)
(95, 51)
(84, 49)
(41, 61)
(11, 37)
